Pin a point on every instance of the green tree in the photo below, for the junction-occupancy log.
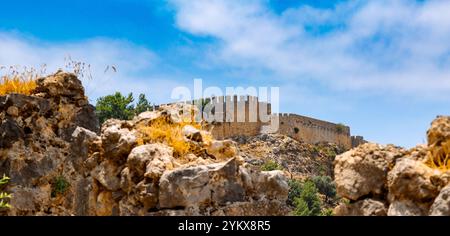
(325, 186)
(310, 196)
(301, 208)
(115, 106)
(142, 105)
(308, 203)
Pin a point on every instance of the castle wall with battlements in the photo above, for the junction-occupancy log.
(299, 127)
(313, 131)
(247, 116)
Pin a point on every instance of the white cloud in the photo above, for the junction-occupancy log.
(395, 46)
(133, 63)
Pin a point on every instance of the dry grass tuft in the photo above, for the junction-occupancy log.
(16, 79)
(165, 131)
(17, 84)
(439, 156)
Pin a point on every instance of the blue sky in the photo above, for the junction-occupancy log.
(381, 67)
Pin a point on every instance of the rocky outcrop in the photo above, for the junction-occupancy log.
(61, 162)
(408, 182)
(301, 159)
(363, 171)
(38, 151)
(412, 180)
(406, 208)
(366, 207)
(441, 205)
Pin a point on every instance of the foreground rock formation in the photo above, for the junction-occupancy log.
(387, 180)
(62, 163)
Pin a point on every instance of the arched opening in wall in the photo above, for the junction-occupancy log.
(296, 130)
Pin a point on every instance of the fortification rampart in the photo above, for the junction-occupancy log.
(246, 115)
(312, 130)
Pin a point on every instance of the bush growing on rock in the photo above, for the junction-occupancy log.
(340, 128)
(4, 196)
(59, 186)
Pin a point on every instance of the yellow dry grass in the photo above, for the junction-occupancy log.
(439, 156)
(164, 131)
(17, 84)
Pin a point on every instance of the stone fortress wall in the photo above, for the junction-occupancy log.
(246, 115)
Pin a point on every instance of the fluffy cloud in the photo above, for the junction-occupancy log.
(391, 46)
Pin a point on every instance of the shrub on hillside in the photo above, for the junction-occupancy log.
(308, 203)
(271, 165)
(295, 189)
(325, 186)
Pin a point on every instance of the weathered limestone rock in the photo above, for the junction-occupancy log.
(271, 185)
(366, 207)
(411, 179)
(407, 208)
(28, 198)
(27, 105)
(418, 153)
(60, 85)
(192, 133)
(126, 182)
(83, 143)
(439, 131)
(150, 160)
(415, 185)
(201, 185)
(147, 195)
(105, 204)
(13, 111)
(107, 173)
(257, 208)
(10, 132)
(66, 102)
(363, 170)
(117, 142)
(222, 149)
(441, 205)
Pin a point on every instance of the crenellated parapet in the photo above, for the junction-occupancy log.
(248, 116)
